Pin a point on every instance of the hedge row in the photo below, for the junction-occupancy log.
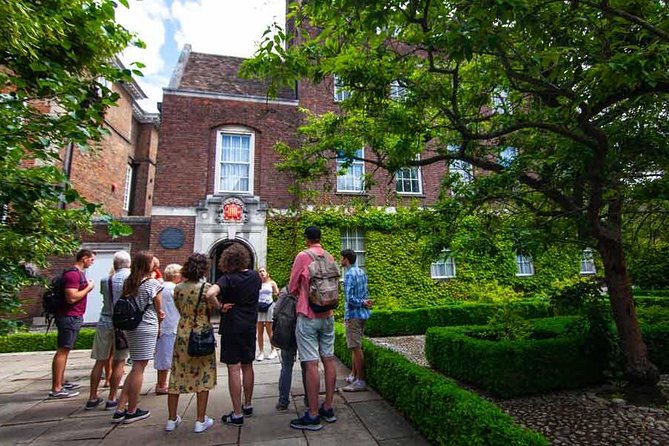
(443, 413)
(511, 368)
(417, 321)
(647, 301)
(657, 293)
(37, 342)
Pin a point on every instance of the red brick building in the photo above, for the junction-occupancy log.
(118, 172)
(215, 174)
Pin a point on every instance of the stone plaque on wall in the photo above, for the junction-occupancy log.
(171, 238)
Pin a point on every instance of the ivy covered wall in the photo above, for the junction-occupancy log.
(399, 249)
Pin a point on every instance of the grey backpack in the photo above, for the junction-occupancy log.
(284, 320)
(323, 282)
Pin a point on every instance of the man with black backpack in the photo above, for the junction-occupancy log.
(69, 317)
(315, 325)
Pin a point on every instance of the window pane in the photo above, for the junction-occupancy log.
(407, 180)
(524, 265)
(235, 162)
(587, 262)
(444, 268)
(351, 179)
(354, 238)
(128, 187)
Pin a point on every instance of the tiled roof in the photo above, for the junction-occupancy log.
(218, 74)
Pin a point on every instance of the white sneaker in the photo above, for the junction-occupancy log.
(350, 379)
(356, 386)
(203, 426)
(172, 424)
(272, 354)
(260, 357)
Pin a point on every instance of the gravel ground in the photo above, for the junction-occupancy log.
(578, 417)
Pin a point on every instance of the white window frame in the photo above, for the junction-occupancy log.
(127, 191)
(446, 263)
(340, 92)
(397, 91)
(524, 265)
(588, 262)
(400, 179)
(349, 182)
(234, 131)
(354, 238)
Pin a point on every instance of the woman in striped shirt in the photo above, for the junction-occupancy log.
(141, 340)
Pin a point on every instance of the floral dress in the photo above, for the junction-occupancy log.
(190, 374)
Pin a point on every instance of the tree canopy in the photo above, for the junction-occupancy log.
(560, 106)
(55, 59)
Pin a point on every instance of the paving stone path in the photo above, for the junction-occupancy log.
(28, 418)
(570, 418)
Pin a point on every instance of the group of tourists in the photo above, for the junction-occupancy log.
(178, 302)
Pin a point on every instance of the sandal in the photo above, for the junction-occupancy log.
(161, 390)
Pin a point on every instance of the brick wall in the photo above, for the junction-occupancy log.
(186, 167)
(167, 256)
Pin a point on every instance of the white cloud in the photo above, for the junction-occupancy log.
(146, 18)
(228, 27)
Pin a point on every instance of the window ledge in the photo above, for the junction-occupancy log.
(411, 194)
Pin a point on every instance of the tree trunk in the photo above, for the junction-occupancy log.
(638, 368)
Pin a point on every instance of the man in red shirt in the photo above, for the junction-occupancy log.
(69, 318)
(315, 338)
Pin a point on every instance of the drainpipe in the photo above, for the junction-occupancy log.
(67, 167)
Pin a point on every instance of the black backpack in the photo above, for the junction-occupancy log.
(127, 315)
(53, 298)
(284, 320)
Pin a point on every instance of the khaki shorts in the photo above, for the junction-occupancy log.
(103, 344)
(354, 331)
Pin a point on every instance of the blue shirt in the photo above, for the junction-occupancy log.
(355, 289)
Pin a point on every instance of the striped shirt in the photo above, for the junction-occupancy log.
(355, 288)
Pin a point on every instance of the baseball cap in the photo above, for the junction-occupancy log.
(312, 233)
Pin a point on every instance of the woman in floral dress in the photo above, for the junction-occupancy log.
(192, 374)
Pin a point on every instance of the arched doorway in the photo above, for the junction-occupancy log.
(215, 256)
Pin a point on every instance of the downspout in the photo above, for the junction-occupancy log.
(67, 168)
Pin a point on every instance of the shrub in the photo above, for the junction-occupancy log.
(509, 325)
(417, 321)
(443, 413)
(35, 342)
(510, 368)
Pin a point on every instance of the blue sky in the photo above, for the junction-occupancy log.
(227, 27)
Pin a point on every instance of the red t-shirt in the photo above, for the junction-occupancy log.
(77, 280)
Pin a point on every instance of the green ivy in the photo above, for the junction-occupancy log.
(399, 247)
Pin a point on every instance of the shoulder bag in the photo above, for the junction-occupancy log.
(202, 342)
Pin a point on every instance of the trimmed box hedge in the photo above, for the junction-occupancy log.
(417, 321)
(511, 368)
(647, 301)
(37, 342)
(441, 411)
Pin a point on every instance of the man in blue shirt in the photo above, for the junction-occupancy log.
(356, 313)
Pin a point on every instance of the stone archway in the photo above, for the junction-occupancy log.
(215, 256)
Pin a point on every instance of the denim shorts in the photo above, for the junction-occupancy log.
(68, 330)
(315, 337)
